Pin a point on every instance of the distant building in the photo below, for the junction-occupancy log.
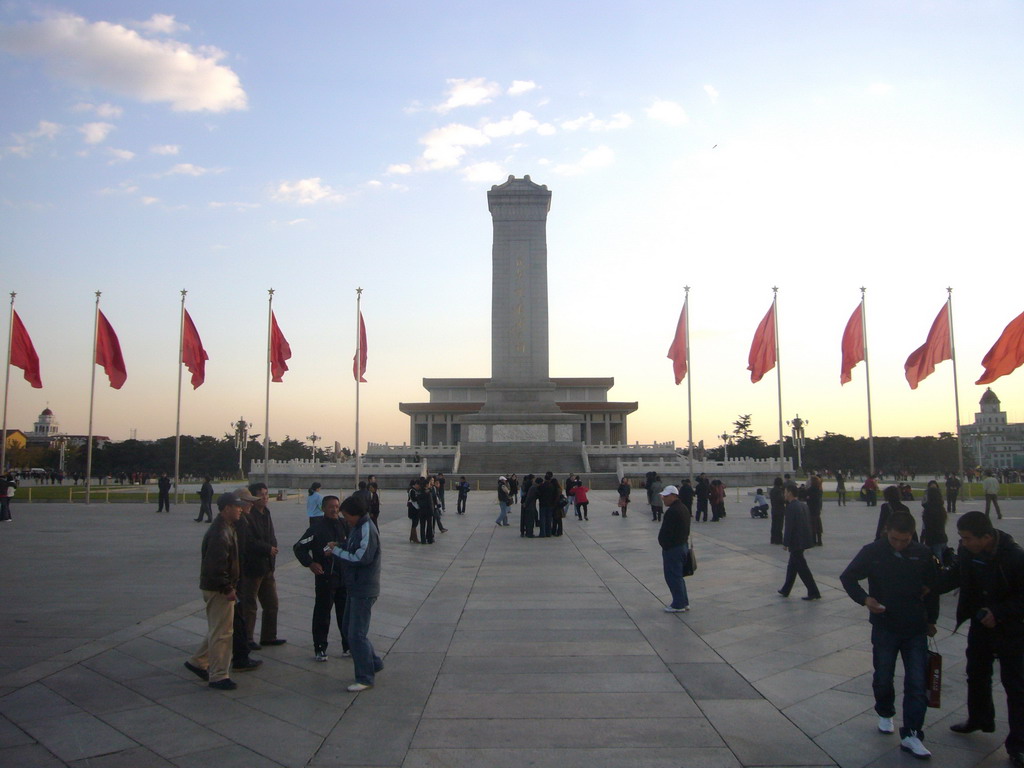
(994, 443)
(46, 433)
(16, 439)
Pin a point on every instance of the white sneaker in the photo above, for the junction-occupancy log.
(912, 744)
(670, 609)
(321, 655)
(358, 687)
(885, 725)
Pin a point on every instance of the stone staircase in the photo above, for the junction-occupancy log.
(521, 458)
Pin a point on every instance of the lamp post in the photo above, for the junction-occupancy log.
(62, 445)
(313, 438)
(725, 445)
(796, 425)
(241, 428)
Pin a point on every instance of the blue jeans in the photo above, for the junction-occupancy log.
(673, 561)
(357, 625)
(885, 646)
(545, 521)
(503, 514)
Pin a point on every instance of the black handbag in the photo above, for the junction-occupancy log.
(690, 567)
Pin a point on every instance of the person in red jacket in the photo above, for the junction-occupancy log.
(581, 502)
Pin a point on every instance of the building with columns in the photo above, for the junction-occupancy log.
(440, 421)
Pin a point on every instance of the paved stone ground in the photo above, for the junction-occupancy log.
(499, 651)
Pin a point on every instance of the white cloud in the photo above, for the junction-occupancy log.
(239, 206)
(616, 122)
(294, 222)
(105, 110)
(106, 55)
(399, 169)
(601, 157)
(546, 129)
(306, 192)
(188, 169)
(165, 149)
(520, 87)
(519, 123)
(124, 188)
(161, 24)
(485, 172)
(879, 89)
(374, 184)
(120, 155)
(712, 93)
(467, 93)
(446, 146)
(96, 133)
(667, 112)
(150, 200)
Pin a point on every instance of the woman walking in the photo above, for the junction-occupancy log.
(933, 522)
(815, 498)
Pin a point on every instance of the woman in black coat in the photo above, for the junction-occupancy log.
(933, 522)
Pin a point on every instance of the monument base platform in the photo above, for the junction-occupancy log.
(522, 457)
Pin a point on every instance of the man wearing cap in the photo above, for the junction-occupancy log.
(218, 577)
(258, 581)
(674, 538)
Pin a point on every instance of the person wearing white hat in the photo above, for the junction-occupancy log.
(674, 538)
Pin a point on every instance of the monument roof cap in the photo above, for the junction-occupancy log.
(989, 396)
(525, 183)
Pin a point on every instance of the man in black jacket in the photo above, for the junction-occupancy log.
(990, 575)
(329, 577)
(903, 601)
(163, 487)
(258, 563)
(205, 501)
(797, 537)
(673, 538)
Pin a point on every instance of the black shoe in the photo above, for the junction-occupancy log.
(248, 665)
(784, 594)
(811, 597)
(968, 727)
(197, 520)
(199, 672)
(1016, 759)
(227, 684)
(278, 641)
(255, 646)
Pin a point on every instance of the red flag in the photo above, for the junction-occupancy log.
(936, 348)
(279, 351)
(853, 344)
(1006, 355)
(23, 354)
(677, 352)
(192, 353)
(359, 359)
(762, 350)
(108, 352)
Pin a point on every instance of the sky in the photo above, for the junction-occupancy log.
(317, 147)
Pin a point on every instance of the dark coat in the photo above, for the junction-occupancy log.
(675, 526)
(933, 519)
(219, 569)
(361, 553)
(797, 534)
(309, 548)
(257, 537)
(995, 582)
(906, 583)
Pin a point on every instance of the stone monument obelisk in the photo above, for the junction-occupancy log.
(520, 402)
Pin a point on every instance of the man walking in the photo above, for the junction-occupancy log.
(361, 555)
(654, 488)
(903, 603)
(163, 486)
(674, 538)
(328, 573)
(990, 575)
(990, 486)
(205, 501)
(258, 582)
(218, 576)
(8, 485)
(797, 537)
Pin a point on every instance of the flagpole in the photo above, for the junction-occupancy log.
(177, 422)
(956, 389)
(359, 373)
(689, 376)
(7, 384)
(778, 376)
(867, 379)
(92, 398)
(266, 420)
